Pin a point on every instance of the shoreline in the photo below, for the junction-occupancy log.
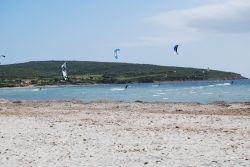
(220, 103)
(94, 84)
(224, 108)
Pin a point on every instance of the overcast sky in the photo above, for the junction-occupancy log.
(212, 33)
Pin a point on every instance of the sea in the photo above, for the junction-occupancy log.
(191, 91)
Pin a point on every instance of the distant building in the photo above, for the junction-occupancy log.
(25, 83)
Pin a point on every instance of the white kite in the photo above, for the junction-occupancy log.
(64, 71)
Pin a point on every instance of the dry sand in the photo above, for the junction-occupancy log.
(73, 133)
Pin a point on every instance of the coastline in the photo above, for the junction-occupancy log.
(94, 84)
(76, 133)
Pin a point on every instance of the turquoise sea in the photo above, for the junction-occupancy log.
(194, 91)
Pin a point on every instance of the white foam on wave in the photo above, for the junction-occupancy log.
(165, 98)
(38, 89)
(35, 90)
(118, 89)
(224, 84)
(192, 92)
(196, 87)
(221, 84)
(156, 95)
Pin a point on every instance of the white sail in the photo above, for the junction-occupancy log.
(64, 71)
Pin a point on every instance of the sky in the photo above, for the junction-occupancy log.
(212, 34)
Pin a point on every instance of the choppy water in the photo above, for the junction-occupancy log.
(202, 91)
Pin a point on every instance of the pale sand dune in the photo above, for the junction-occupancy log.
(123, 134)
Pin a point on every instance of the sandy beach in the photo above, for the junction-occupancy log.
(74, 133)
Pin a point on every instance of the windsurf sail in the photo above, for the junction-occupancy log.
(64, 71)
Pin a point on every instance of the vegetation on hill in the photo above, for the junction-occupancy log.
(83, 72)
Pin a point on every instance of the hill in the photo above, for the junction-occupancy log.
(49, 73)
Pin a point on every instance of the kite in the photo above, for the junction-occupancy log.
(176, 49)
(64, 71)
(115, 53)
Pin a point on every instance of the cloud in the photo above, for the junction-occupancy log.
(231, 16)
(211, 20)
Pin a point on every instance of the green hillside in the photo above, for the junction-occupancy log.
(49, 73)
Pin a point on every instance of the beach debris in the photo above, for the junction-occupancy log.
(64, 71)
(17, 101)
(139, 101)
(221, 103)
(116, 53)
(247, 103)
(176, 49)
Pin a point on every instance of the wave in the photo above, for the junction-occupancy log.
(224, 84)
(35, 90)
(38, 89)
(221, 84)
(118, 89)
(161, 93)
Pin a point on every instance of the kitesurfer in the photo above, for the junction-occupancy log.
(126, 87)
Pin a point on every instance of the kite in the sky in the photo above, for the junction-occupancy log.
(176, 49)
(64, 71)
(2, 56)
(115, 53)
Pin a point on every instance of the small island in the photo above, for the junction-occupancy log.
(41, 73)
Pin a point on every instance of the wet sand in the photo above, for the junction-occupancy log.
(73, 133)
